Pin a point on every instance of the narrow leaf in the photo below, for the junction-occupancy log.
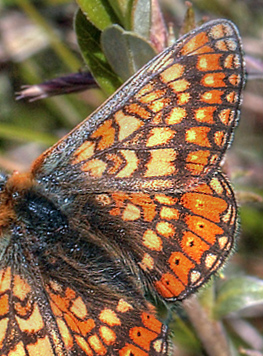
(122, 9)
(141, 17)
(98, 12)
(89, 42)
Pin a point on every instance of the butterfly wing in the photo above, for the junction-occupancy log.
(40, 316)
(177, 239)
(166, 128)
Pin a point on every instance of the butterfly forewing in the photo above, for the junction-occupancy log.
(168, 126)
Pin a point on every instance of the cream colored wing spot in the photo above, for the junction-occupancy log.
(147, 262)
(107, 335)
(175, 116)
(131, 213)
(183, 98)
(172, 73)
(217, 32)
(97, 345)
(108, 316)
(42, 347)
(123, 306)
(160, 136)
(152, 241)
(94, 167)
(79, 308)
(132, 162)
(127, 124)
(161, 163)
(180, 85)
(33, 323)
(165, 229)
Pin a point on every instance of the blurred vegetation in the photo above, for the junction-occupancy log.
(38, 42)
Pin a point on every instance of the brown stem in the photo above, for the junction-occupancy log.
(210, 331)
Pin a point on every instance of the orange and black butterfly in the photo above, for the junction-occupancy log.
(132, 197)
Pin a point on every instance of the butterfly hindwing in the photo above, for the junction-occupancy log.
(177, 239)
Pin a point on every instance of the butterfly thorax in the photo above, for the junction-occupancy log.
(22, 202)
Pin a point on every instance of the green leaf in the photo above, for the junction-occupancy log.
(237, 294)
(122, 9)
(183, 335)
(125, 51)
(98, 12)
(252, 225)
(141, 17)
(88, 37)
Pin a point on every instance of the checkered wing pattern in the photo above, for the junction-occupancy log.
(53, 320)
(168, 127)
(180, 238)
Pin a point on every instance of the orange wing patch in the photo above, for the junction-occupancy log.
(194, 87)
(193, 230)
(76, 328)
(19, 315)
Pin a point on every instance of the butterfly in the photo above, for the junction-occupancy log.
(132, 198)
